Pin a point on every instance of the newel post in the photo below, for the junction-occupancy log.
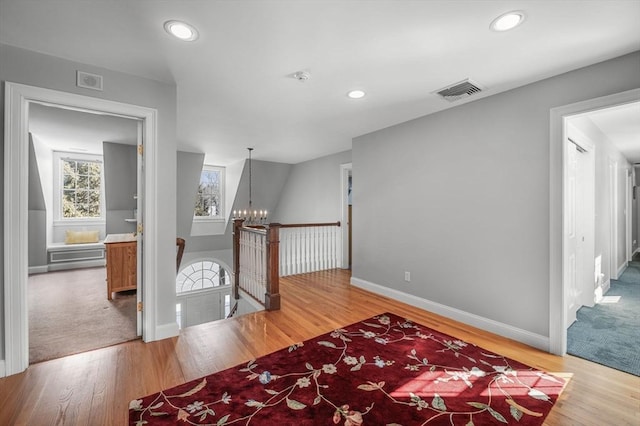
(237, 224)
(272, 296)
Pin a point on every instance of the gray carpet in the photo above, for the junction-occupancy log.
(609, 333)
(69, 313)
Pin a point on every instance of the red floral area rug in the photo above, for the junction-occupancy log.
(382, 371)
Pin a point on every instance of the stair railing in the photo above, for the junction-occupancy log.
(264, 253)
(255, 263)
(309, 247)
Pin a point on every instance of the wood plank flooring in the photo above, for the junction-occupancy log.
(94, 388)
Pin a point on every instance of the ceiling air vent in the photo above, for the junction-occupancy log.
(462, 89)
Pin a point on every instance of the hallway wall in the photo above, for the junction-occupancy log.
(461, 200)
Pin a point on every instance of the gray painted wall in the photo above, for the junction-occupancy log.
(35, 69)
(44, 157)
(267, 181)
(120, 186)
(312, 191)
(37, 213)
(189, 169)
(460, 198)
(36, 196)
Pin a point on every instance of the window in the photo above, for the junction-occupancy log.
(80, 187)
(210, 196)
(203, 293)
(200, 275)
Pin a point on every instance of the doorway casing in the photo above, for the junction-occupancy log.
(17, 100)
(345, 172)
(557, 302)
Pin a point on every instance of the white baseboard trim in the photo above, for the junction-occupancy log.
(38, 269)
(505, 330)
(166, 331)
(3, 370)
(621, 269)
(606, 286)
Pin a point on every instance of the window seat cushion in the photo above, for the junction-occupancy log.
(52, 247)
(81, 237)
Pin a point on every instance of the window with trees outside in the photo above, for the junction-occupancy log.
(81, 196)
(210, 196)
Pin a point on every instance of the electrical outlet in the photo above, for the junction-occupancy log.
(407, 276)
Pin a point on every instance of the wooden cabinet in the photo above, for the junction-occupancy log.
(121, 251)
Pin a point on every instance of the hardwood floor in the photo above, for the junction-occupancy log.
(94, 388)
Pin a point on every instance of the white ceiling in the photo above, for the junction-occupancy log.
(622, 126)
(234, 84)
(68, 130)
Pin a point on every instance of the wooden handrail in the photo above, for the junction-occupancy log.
(308, 225)
(255, 229)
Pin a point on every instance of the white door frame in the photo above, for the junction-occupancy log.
(345, 171)
(140, 143)
(557, 332)
(628, 214)
(613, 219)
(16, 169)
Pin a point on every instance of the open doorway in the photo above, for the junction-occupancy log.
(346, 197)
(559, 285)
(18, 99)
(597, 284)
(600, 319)
(82, 187)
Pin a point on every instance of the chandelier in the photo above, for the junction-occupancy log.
(249, 215)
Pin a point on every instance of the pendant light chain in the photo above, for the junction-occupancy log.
(251, 217)
(250, 204)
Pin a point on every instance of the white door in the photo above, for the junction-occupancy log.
(571, 243)
(579, 264)
(139, 216)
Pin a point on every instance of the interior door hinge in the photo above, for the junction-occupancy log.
(139, 306)
(139, 229)
(140, 149)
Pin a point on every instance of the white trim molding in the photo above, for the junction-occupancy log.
(18, 97)
(38, 270)
(622, 268)
(165, 331)
(345, 170)
(505, 330)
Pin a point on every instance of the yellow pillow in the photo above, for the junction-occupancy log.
(81, 237)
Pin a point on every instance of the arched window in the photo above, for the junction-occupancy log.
(200, 275)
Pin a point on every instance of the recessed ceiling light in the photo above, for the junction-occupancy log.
(508, 21)
(181, 30)
(356, 94)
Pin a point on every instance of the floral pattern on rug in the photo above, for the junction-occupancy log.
(386, 370)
